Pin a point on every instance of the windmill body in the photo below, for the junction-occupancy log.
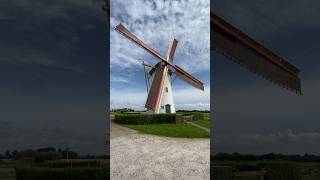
(166, 103)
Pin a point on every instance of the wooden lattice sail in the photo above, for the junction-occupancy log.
(242, 49)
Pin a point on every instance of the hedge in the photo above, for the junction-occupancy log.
(221, 173)
(139, 119)
(61, 173)
(198, 116)
(66, 164)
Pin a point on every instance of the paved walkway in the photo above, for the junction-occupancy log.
(139, 156)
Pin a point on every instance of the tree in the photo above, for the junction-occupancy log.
(7, 154)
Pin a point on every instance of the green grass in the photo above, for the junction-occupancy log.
(7, 173)
(204, 123)
(7, 167)
(171, 130)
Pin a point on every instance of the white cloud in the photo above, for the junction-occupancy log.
(187, 98)
(120, 79)
(156, 22)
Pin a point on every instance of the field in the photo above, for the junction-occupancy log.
(309, 170)
(8, 168)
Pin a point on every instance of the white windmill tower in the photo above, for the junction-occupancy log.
(160, 95)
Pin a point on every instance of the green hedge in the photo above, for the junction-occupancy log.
(221, 173)
(282, 170)
(62, 173)
(140, 119)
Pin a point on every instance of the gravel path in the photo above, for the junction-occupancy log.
(140, 156)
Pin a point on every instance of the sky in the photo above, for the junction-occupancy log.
(53, 71)
(156, 23)
(53, 75)
(252, 115)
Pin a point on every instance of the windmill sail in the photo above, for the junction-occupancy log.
(154, 94)
(179, 71)
(172, 50)
(242, 49)
(124, 31)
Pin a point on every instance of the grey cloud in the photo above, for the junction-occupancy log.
(27, 55)
(286, 141)
(278, 16)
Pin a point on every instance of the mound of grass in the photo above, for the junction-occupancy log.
(171, 130)
(203, 122)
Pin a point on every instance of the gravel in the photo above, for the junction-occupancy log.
(140, 156)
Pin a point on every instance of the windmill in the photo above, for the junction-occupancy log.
(160, 96)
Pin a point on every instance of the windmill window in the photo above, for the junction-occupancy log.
(166, 89)
(162, 107)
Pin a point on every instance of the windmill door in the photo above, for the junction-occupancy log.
(168, 108)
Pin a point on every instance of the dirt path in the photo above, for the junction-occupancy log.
(119, 131)
(198, 126)
(140, 156)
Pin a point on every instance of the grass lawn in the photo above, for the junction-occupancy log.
(171, 130)
(203, 122)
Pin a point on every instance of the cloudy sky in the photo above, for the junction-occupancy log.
(156, 23)
(53, 75)
(53, 71)
(251, 115)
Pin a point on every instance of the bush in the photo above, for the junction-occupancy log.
(221, 173)
(282, 171)
(139, 119)
(247, 167)
(62, 173)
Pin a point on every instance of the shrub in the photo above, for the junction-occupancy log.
(282, 171)
(140, 119)
(188, 117)
(221, 172)
(62, 173)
